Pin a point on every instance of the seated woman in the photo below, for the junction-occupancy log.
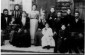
(22, 37)
(47, 39)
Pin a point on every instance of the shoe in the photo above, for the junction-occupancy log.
(48, 47)
(44, 47)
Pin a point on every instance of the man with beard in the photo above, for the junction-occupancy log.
(57, 27)
(77, 33)
(5, 20)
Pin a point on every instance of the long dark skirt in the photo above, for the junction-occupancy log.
(21, 40)
(37, 39)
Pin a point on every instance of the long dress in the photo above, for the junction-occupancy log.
(33, 24)
(47, 38)
(22, 37)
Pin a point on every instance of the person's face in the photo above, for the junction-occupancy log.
(59, 14)
(68, 11)
(6, 12)
(63, 27)
(34, 7)
(24, 14)
(47, 26)
(16, 7)
(76, 14)
(52, 10)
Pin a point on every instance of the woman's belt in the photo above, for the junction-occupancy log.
(33, 18)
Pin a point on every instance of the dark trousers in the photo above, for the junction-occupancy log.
(72, 43)
(57, 40)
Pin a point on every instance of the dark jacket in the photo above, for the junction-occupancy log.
(51, 21)
(57, 24)
(4, 23)
(27, 23)
(77, 26)
(67, 21)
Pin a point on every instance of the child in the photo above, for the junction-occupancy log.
(47, 39)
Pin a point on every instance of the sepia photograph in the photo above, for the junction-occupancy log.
(42, 27)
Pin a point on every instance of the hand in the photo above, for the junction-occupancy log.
(65, 38)
(80, 35)
(2, 31)
(39, 29)
(73, 33)
(25, 31)
(68, 24)
(50, 17)
(55, 19)
(19, 30)
(63, 27)
(61, 37)
(55, 33)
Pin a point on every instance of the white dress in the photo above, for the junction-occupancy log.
(33, 24)
(47, 38)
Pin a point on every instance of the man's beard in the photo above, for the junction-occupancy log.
(5, 15)
(77, 17)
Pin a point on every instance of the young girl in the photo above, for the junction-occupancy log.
(47, 39)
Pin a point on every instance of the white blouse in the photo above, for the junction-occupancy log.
(34, 14)
(47, 32)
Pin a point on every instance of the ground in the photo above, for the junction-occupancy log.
(10, 49)
(33, 49)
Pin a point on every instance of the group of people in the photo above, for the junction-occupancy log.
(68, 31)
(63, 33)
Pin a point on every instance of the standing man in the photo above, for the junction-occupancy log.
(51, 17)
(68, 19)
(57, 27)
(68, 23)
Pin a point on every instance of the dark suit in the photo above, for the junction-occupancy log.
(68, 19)
(5, 22)
(57, 27)
(51, 21)
(77, 28)
(73, 27)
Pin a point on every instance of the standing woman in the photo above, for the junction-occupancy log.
(16, 13)
(34, 15)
